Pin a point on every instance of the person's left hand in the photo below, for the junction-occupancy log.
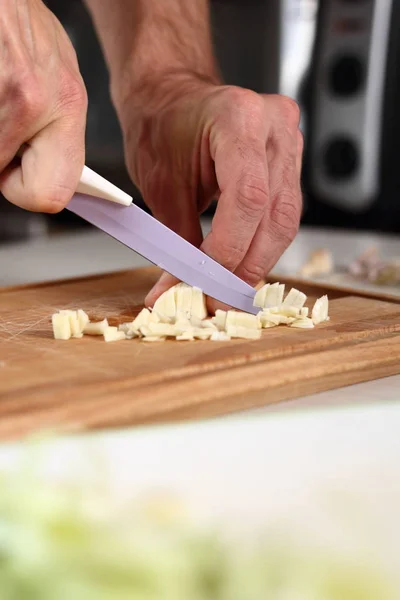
(189, 141)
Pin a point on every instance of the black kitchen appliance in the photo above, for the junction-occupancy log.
(351, 98)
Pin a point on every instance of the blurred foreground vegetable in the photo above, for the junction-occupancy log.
(71, 542)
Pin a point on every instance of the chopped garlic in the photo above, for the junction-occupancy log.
(267, 324)
(242, 319)
(259, 298)
(186, 336)
(83, 319)
(208, 324)
(275, 319)
(162, 329)
(238, 331)
(269, 295)
(128, 331)
(159, 318)
(303, 323)
(274, 295)
(96, 328)
(319, 312)
(198, 304)
(289, 311)
(145, 331)
(165, 304)
(220, 336)
(295, 298)
(181, 313)
(61, 326)
(220, 319)
(202, 334)
(183, 298)
(111, 334)
(72, 315)
(143, 318)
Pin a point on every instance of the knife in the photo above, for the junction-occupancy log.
(110, 209)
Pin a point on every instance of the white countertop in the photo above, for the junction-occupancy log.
(83, 253)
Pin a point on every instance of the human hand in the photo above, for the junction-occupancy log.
(193, 141)
(42, 105)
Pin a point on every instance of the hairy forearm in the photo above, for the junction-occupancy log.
(145, 40)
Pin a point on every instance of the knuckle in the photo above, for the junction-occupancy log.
(252, 197)
(290, 109)
(25, 96)
(252, 273)
(285, 217)
(230, 254)
(246, 109)
(244, 97)
(73, 94)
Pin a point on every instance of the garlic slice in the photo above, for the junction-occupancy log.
(83, 319)
(198, 304)
(96, 328)
(242, 319)
(289, 311)
(274, 295)
(259, 298)
(128, 331)
(183, 298)
(142, 318)
(61, 326)
(275, 319)
(303, 323)
(295, 298)
(220, 319)
(166, 304)
(202, 334)
(162, 329)
(319, 313)
(111, 334)
(269, 295)
(220, 336)
(238, 331)
(72, 315)
(186, 336)
(145, 331)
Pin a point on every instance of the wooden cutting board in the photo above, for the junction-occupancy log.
(87, 383)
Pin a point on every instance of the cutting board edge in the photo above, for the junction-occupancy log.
(102, 412)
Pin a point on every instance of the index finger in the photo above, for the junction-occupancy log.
(50, 168)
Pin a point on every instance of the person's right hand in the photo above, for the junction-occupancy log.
(43, 104)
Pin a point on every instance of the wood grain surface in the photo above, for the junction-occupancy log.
(87, 383)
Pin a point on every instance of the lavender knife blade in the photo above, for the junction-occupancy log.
(141, 232)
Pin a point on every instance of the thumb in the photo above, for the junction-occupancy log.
(49, 170)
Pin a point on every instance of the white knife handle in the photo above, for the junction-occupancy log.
(95, 185)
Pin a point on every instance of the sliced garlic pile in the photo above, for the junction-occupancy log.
(181, 313)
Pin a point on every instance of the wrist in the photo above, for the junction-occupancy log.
(157, 91)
